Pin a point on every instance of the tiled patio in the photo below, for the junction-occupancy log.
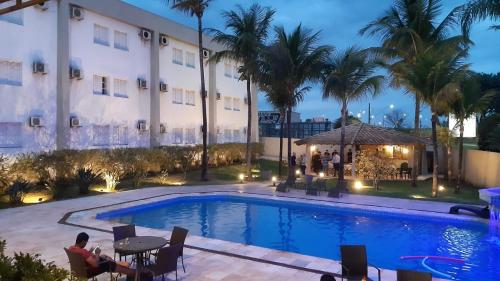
(36, 229)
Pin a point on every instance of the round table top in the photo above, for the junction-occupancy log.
(139, 244)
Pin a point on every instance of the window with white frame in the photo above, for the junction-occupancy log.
(100, 85)
(11, 73)
(236, 136)
(100, 135)
(190, 97)
(101, 35)
(228, 103)
(120, 88)
(178, 135)
(10, 134)
(236, 75)
(227, 69)
(236, 104)
(190, 59)
(227, 135)
(121, 41)
(191, 136)
(177, 96)
(15, 17)
(120, 135)
(177, 56)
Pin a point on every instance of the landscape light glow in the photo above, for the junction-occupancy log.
(321, 175)
(297, 172)
(358, 185)
(242, 177)
(274, 179)
(441, 188)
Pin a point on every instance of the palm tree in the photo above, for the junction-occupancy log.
(349, 76)
(470, 101)
(249, 32)
(197, 8)
(432, 75)
(405, 30)
(297, 59)
(480, 10)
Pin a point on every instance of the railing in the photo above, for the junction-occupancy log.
(299, 130)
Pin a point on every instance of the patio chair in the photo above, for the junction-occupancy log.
(354, 262)
(281, 187)
(327, 277)
(178, 237)
(311, 189)
(166, 261)
(411, 275)
(403, 170)
(122, 232)
(79, 268)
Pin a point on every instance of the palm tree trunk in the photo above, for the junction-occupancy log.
(280, 164)
(342, 142)
(204, 156)
(249, 129)
(460, 157)
(435, 155)
(290, 178)
(416, 153)
(449, 161)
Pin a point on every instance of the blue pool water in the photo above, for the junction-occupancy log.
(319, 230)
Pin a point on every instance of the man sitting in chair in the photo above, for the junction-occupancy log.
(98, 263)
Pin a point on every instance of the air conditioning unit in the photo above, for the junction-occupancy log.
(145, 34)
(218, 96)
(76, 13)
(206, 53)
(75, 73)
(142, 83)
(42, 6)
(39, 67)
(163, 87)
(141, 126)
(163, 129)
(164, 41)
(36, 121)
(74, 122)
(245, 100)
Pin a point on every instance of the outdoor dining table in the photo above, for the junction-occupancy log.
(138, 246)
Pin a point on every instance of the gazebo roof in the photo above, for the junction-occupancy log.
(363, 133)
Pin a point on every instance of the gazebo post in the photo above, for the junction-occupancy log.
(308, 159)
(353, 147)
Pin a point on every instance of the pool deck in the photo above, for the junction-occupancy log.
(47, 228)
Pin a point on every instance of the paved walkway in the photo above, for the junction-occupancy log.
(35, 229)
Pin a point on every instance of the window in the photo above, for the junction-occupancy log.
(16, 17)
(177, 96)
(101, 35)
(177, 56)
(10, 134)
(120, 88)
(227, 103)
(227, 135)
(190, 95)
(178, 135)
(121, 40)
(190, 59)
(236, 75)
(11, 73)
(227, 70)
(236, 104)
(191, 136)
(120, 135)
(100, 85)
(236, 136)
(100, 135)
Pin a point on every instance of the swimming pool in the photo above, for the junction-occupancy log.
(318, 230)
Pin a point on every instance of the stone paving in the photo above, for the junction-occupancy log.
(35, 229)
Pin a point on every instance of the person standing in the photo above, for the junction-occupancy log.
(336, 163)
(293, 161)
(302, 162)
(325, 159)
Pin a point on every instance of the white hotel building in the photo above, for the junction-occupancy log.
(78, 74)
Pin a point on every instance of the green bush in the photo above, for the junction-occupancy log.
(16, 191)
(28, 267)
(5, 176)
(84, 178)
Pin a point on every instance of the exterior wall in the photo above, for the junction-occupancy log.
(481, 168)
(34, 40)
(272, 148)
(112, 63)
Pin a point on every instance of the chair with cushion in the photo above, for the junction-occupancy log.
(166, 261)
(354, 262)
(80, 269)
(122, 232)
(411, 275)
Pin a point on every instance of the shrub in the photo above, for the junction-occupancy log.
(17, 190)
(84, 178)
(5, 177)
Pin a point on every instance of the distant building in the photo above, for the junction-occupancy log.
(273, 117)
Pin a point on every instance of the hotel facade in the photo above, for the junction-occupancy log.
(82, 74)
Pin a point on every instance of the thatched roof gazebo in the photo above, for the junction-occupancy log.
(366, 136)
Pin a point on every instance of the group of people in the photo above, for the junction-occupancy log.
(321, 162)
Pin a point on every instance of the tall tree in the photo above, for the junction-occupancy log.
(480, 10)
(243, 45)
(470, 101)
(349, 76)
(432, 74)
(406, 29)
(196, 8)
